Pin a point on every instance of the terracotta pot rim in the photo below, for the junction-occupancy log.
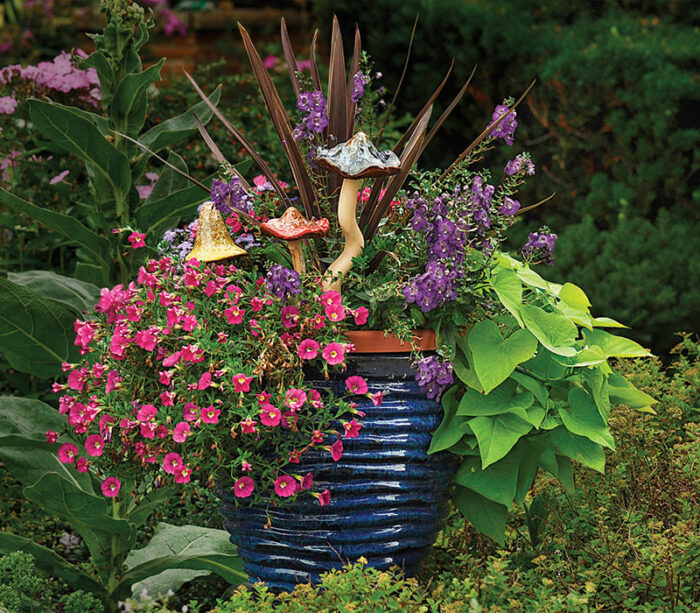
(375, 341)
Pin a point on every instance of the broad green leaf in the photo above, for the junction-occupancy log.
(450, 430)
(606, 322)
(175, 129)
(497, 435)
(559, 466)
(128, 108)
(94, 275)
(182, 547)
(497, 482)
(574, 296)
(545, 366)
(578, 448)
(137, 514)
(509, 289)
(159, 585)
(622, 391)
(533, 385)
(51, 563)
(155, 216)
(500, 400)
(170, 181)
(462, 369)
(493, 357)
(554, 331)
(529, 450)
(615, 346)
(486, 516)
(66, 225)
(80, 137)
(99, 121)
(74, 294)
(38, 333)
(598, 385)
(535, 415)
(589, 356)
(584, 419)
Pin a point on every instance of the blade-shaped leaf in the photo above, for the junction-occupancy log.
(170, 181)
(130, 101)
(37, 332)
(246, 145)
(337, 97)
(284, 130)
(354, 68)
(168, 210)
(74, 294)
(289, 57)
(315, 78)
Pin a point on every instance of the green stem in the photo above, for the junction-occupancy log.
(115, 560)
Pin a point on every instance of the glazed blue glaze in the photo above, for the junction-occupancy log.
(388, 497)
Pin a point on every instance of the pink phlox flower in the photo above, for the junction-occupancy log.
(308, 349)
(94, 445)
(167, 399)
(377, 398)
(335, 312)
(172, 462)
(181, 431)
(294, 398)
(336, 450)
(210, 415)
(137, 240)
(51, 436)
(243, 487)
(333, 353)
(7, 106)
(331, 298)
(190, 412)
(147, 412)
(352, 428)
(360, 314)
(290, 316)
(204, 381)
(270, 415)
(241, 383)
(356, 385)
(189, 323)
(110, 487)
(248, 425)
(78, 378)
(317, 436)
(285, 486)
(67, 453)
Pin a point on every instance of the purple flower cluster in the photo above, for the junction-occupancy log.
(521, 163)
(540, 246)
(314, 115)
(229, 198)
(510, 206)
(61, 74)
(359, 81)
(445, 238)
(178, 242)
(282, 281)
(434, 376)
(505, 129)
(7, 105)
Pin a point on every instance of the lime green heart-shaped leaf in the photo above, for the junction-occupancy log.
(497, 435)
(556, 332)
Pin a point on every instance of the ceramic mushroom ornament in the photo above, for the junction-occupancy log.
(353, 160)
(213, 242)
(293, 227)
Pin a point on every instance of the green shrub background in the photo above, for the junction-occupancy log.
(612, 125)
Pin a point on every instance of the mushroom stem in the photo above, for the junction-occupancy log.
(354, 241)
(297, 256)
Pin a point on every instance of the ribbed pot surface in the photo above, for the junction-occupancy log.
(388, 497)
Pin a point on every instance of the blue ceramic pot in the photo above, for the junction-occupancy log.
(388, 497)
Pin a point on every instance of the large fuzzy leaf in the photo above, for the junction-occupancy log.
(284, 130)
(72, 293)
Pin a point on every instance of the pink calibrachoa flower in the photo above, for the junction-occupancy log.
(248, 425)
(336, 450)
(181, 431)
(333, 353)
(137, 240)
(210, 415)
(246, 466)
(182, 474)
(324, 497)
(307, 481)
(82, 465)
(234, 315)
(241, 383)
(172, 462)
(147, 412)
(285, 486)
(189, 323)
(352, 428)
(331, 298)
(67, 453)
(147, 339)
(290, 316)
(78, 378)
(190, 412)
(294, 398)
(165, 376)
(377, 398)
(357, 385)
(110, 487)
(167, 399)
(315, 399)
(308, 349)
(94, 445)
(204, 381)
(51, 436)
(244, 487)
(263, 397)
(113, 381)
(148, 430)
(335, 312)
(317, 436)
(361, 314)
(270, 416)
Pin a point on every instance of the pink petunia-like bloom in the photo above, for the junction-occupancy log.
(356, 385)
(269, 62)
(294, 398)
(333, 353)
(315, 399)
(246, 467)
(290, 316)
(241, 383)
(190, 412)
(51, 436)
(67, 453)
(82, 465)
(270, 416)
(137, 240)
(331, 298)
(94, 445)
(172, 462)
(243, 487)
(308, 349)
(110, 487)
(210, 415)
(113, 381)
(324, 497)
(172, 359)
(234, 315)
(285, 486)
(147, 412)
(189, 323)
(204, 381)
(263, 397)
(335, 312)
(307, 481)
(336, 450)
(182, 474)
(148, 430)
(147, 339)
(165, 376)
(248, 425)
(256, 304)
(377, 398)
(352, 428)
(317, 436)
(360, 314)
(78, 378)
(181, 431)
(167, 399)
